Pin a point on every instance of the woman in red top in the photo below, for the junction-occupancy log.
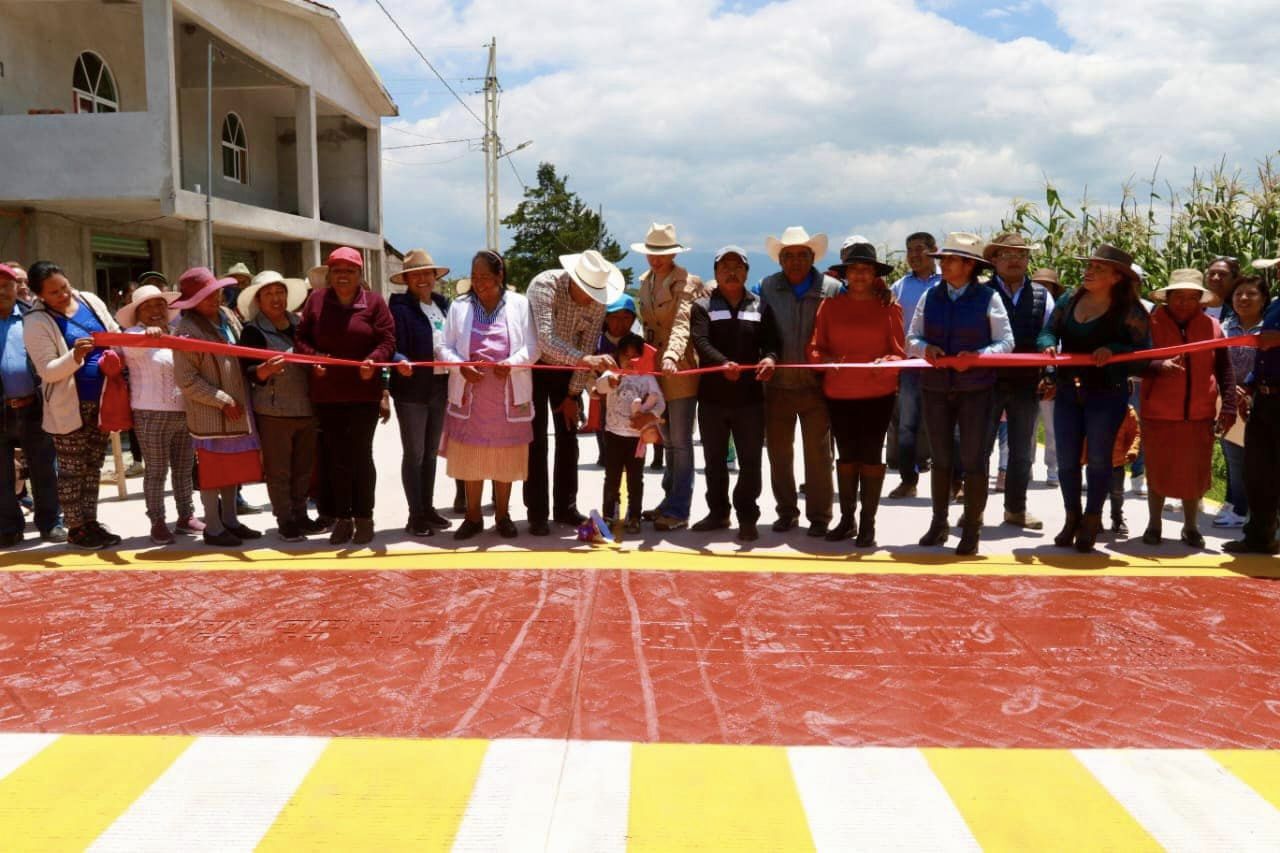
(1179, 404)
(862, 324)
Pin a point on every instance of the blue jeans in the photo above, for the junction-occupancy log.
(20, 428)
(1093, 415)
(677, 476)
(420, 428)
(1018, 402)
(909, 421)
(1236, 495)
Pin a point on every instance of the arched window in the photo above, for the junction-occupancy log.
(93, 86)
(235, 150)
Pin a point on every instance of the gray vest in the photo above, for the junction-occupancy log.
(288, 393)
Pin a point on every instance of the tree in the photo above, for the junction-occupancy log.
(552, 221)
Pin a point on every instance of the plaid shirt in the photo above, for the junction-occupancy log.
(566, 330)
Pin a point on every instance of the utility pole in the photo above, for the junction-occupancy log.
(491, 146)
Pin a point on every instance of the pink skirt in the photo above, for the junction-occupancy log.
(472, 462)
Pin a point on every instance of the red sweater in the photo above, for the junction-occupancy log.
(857, 330)
(364, 329)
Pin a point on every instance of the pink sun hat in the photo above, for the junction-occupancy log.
(197, 283)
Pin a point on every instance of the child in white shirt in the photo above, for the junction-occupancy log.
(633, 404)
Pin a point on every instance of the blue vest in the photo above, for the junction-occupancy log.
(1027, 319)
(959, 325)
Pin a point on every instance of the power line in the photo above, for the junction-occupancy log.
(429, 144)
(423, 57)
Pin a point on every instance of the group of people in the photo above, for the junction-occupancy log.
(511, 372)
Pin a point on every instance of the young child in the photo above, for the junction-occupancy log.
(633, 404)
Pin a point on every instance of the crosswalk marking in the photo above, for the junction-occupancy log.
(1035, 800)
(514, 797)
(1260, 770)
(68, 794)
(221, 794)
(874, 799)
(16, 749)
(593, 798)
(712, 797)
(380, 795)
(1186, 800)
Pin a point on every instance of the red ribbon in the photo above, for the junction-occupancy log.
(115, 339)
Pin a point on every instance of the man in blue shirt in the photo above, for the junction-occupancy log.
(1262, 441)
(20, 428)
(912, 440)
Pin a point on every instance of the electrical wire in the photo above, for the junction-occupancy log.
(429, 144)
(423, 57)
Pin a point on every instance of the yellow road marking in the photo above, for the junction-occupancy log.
(1030, 799)
(69, 793)
(380, 795)
(584, 558)
(1258, 769)
(711, 797)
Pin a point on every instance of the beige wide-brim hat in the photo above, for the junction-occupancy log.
(962, 244)
(127, 316)
(238, 272)
(1008, 240)
(418, 259)
(1184, 279)
(601, 280)
(247, 302)
(661, 240)
(795, 235)
(1265, 263)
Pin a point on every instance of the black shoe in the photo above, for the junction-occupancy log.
(650, 514)
(710, 523)
(325, 523)
(289, 532)
(57, 533)
(571, 517)
(817, 530)
(1246, 546)
(436, 520)
(1090, 524)
(936, 534)
(225, 539)
(655, 465)
(1151, 536)
(109, 539)
(362, 534)
(1119, 528)
(538, 528)
(85, 538)
(243, 507)
(242, 532)
(507, 528)
(1067, 535)
(747, 531)
(308, 526)
(968, 545)
(844, 530)
(9, 540)
(1192, 538)
(419, 527)
(782, 525)
(342, 530)
(468, 529)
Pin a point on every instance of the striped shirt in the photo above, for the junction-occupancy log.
(567, 331)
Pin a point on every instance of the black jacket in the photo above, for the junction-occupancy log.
(415, 341)
(744, 334)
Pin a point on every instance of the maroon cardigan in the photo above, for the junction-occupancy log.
(362, 330)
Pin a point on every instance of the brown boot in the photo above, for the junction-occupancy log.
(1090, 524)
(1067, 535)
(847, 481)
(871, 480)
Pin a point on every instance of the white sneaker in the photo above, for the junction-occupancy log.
(1227, 517)
(1138, 485)
(1051, 478)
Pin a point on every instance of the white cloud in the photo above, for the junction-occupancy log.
(879, 117)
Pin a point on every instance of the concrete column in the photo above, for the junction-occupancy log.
(308, 158)
(374, 182)
(310, 255)
(197, 247)
(162, 93)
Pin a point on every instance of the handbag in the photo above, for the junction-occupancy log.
(115, 413)
(220, 468)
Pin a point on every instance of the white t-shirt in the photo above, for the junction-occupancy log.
(436, 316)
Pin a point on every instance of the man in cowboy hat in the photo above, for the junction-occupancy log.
(568, 307)
(20, 419)
(959, 317)
(1029, 306)
(913, 442)
(792, 295)
(667, 292)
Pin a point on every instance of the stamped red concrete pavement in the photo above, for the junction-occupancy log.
(647, 656)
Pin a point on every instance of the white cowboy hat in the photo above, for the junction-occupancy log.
(795, 235)
(418, 259)
(1184, 279)
(247, 303)
(127, 316)
(238, 271)
(600, 279)
(661, 240)
(962, 244)
(1265, 263)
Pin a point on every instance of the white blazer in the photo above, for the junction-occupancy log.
(521, 334)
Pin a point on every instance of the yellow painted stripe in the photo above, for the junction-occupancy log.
(719, 558)
(380, 795)
(712, 797)
(69, 793)
(1035, 799)
(1258, 769)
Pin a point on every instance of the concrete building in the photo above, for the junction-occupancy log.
(105, 128)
